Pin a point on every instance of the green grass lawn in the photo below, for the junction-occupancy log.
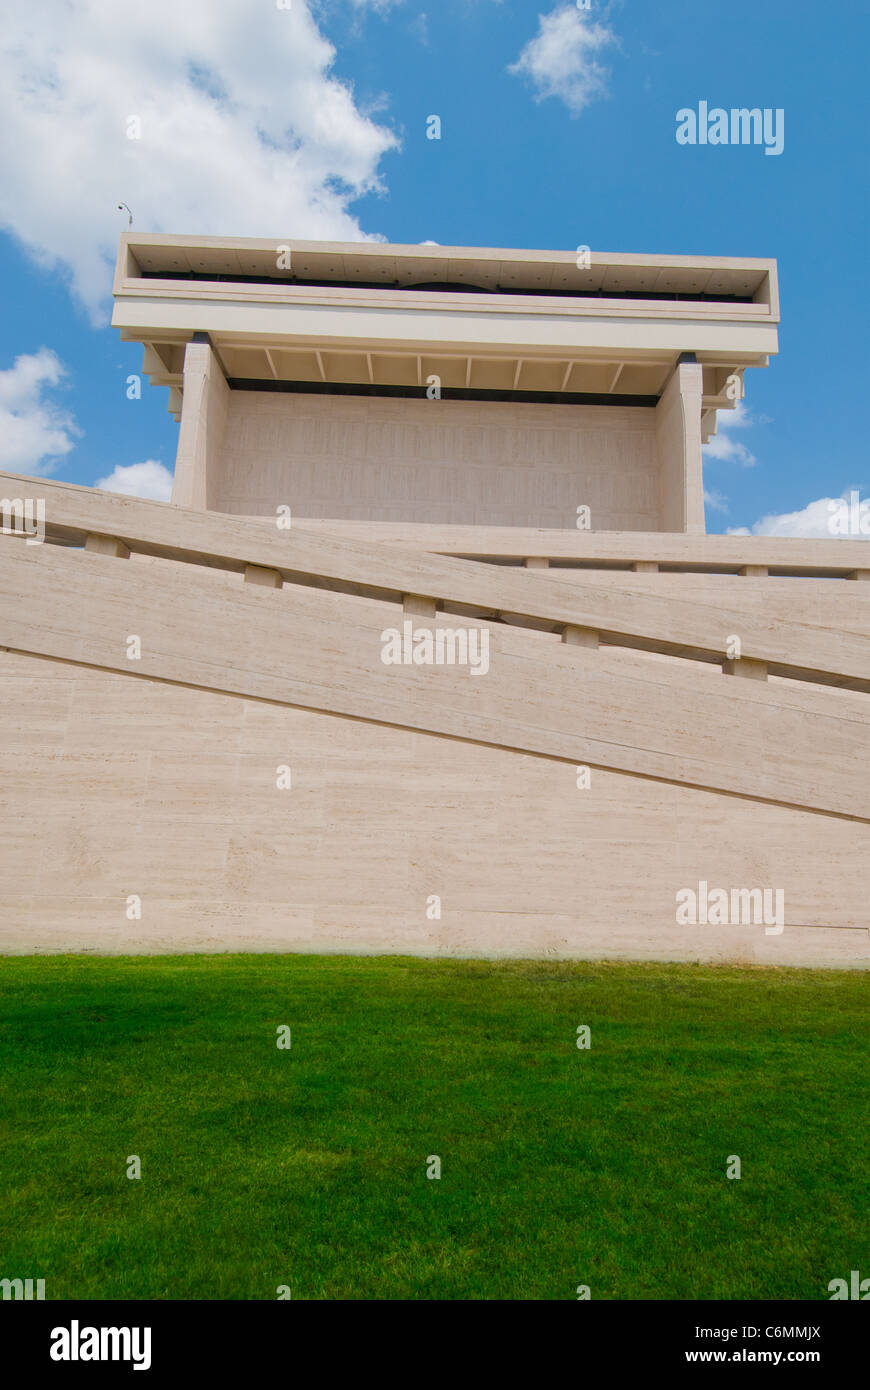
(307, 1167)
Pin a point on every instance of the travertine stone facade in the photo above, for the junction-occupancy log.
(205, 748)
(472, 463)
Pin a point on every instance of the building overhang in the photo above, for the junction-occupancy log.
(375, 316)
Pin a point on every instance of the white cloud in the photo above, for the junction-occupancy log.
(826, 518)
(150, 479)
(244, 131)
(716, 501)
(738, 418)
(722, 446)
(561, 60)
(34, 432)
(420, 27)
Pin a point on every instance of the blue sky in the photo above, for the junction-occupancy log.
(310, 121)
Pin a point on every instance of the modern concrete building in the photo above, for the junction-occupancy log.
(562, 381)
(249, 718)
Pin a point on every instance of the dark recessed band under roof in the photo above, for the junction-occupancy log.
(448, 393)
(442, 287)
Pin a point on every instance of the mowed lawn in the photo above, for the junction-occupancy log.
(307, 1167)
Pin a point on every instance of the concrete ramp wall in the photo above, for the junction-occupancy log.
(257, 778)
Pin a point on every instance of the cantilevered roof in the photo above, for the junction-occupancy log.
(345, 314)
(493, 271)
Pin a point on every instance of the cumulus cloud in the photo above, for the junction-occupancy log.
(35, 433)
(723, 446)
(150, 479)
(562, 59)
(826, 518)
(244, 130)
